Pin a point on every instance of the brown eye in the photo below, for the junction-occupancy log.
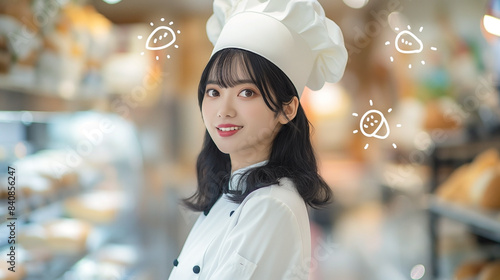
(212, 93)
(247, 93)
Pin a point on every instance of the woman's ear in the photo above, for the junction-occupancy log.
(290, 110)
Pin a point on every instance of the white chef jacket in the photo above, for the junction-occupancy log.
(267, 236)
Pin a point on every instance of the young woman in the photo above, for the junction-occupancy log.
(257, 171)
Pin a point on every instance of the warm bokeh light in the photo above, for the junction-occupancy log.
(112, 1)
(417, 272)
(27, 118)
(20, 150)
(330, 101)
(492, 25)
(356, 4)
(396, 20)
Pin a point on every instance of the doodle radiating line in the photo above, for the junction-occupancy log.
(162, 37)
(373, 124)
(407, 42)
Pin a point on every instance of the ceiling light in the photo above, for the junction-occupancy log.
(492, 25)
(112, 1)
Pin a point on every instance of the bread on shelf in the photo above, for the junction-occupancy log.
(36, 185)
(33, 236)
(117, 254)
(5, 274)
(476, 184)
(19, 267)
(453, 188)
(67, 235)
(478, 270)
(469, 270)
(100, 206)
(491, 271)
(485, 190)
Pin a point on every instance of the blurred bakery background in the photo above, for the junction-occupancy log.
(100, 125)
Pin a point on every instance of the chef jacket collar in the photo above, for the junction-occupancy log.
(236, 175)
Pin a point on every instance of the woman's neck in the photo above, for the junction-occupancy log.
(238, 163)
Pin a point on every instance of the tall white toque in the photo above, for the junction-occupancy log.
(295, 35)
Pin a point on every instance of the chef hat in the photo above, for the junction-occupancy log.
(294, 35)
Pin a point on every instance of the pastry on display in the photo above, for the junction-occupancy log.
(67, 179)
(118, 254)
(478, 270)
(52, 164)
(476, 184)
(56, 236)
(469, 270)
(19, 266)
(481, 163)
(100, 206)
(36, 186)
(33, 236)
(436, 116)
(17, 17)
(8, 275)
(67, 236)
(453, 188)
(46, 166)
(485, 190)
(490, 272)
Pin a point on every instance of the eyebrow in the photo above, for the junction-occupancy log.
(237, 82)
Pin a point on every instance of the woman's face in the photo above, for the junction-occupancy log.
(239, 121)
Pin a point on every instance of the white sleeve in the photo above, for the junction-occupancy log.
(266, 243)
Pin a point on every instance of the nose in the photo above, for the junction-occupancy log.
(226, 108)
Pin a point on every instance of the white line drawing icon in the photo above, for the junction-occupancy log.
(161, 33)
(404, 44)
(368, 118)
(161, 37)
(373, 124)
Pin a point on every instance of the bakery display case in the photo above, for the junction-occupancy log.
(77, 177)
(464, 210)
(69, 79)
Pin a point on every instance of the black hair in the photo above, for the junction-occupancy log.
(291, 154)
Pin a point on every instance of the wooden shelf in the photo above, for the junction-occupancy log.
(466, 151)
(18, 98)
(483, 223)
(480, 222)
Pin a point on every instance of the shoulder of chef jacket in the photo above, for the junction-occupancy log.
(267, 236)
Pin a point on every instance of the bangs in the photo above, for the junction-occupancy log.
(231, 69)
(232, 66)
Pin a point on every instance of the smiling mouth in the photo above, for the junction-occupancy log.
(229, 128)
